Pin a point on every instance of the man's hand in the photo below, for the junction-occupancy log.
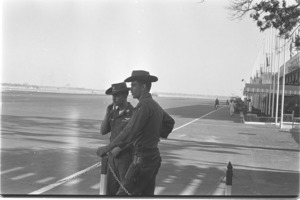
(109, 108)
(115, 152)
(101, 151)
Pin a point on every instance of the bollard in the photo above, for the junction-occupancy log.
(229, 175)
(103, 176)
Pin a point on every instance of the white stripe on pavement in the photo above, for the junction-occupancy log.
(11, 170)
(73, 182)
(45, 180)
(220, 189)
(170, 179)
(196, 119)
(96, 186)
(22, 176)
(158, 190)
(191, 188)
(51, 186)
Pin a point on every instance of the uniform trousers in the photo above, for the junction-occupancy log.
(120, 166)
(141, 174)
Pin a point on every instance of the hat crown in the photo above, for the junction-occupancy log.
(140, 73)
(118, 87)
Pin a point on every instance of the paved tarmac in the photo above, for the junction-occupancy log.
(37, 151)
(265, 160)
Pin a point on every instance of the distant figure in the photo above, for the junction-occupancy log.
(227, 102)
(231, 107)
(216, 103)
(296, 110)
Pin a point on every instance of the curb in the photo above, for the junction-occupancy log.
(260, 123)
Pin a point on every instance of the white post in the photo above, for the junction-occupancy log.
(270, 72)
(283, 87)
(273, 75)
(278, 83)
(103, 176)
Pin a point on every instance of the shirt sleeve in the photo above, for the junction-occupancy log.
(133, 128)
(167, 125)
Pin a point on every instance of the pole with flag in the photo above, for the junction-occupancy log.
(283, 86)
(270, 71)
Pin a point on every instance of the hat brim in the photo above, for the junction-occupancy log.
(110, 92)
(148, 78)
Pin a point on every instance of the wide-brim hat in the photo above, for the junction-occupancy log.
(141, 75)
(116, 88)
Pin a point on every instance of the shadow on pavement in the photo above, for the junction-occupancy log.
(246, 182)
(176, 174)
(173, 178)
(295, 135)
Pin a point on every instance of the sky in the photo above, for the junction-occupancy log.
(192, 47)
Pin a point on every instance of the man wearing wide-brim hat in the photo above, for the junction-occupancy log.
(148, 123)
(116, 118)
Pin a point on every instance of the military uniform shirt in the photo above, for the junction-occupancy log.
(143, 129)
(117, 121)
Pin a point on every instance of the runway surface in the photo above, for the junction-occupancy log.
(48, 144)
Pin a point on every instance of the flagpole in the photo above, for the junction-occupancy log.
(265, 72)
(273, 74)
(270, 72)
(273, 79)
(283, 86)
(278, 83)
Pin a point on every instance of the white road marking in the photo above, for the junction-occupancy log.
(96, 186)
(73, 182)
(196, 119)
(10, 170)
(170, 179)
(220, 189)
(22, 176)
(45, 180)
(158, 190)
(191, 188)
(51, 186)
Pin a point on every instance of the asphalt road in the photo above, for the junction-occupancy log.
(46, 138)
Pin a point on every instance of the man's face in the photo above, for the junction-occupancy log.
(119, 99)
(136, 89)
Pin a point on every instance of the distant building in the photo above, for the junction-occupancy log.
(263, 87)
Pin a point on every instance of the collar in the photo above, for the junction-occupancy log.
(146, 96)
(126, 110)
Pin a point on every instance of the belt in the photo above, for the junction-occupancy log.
(146, 150)
(146, 159)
